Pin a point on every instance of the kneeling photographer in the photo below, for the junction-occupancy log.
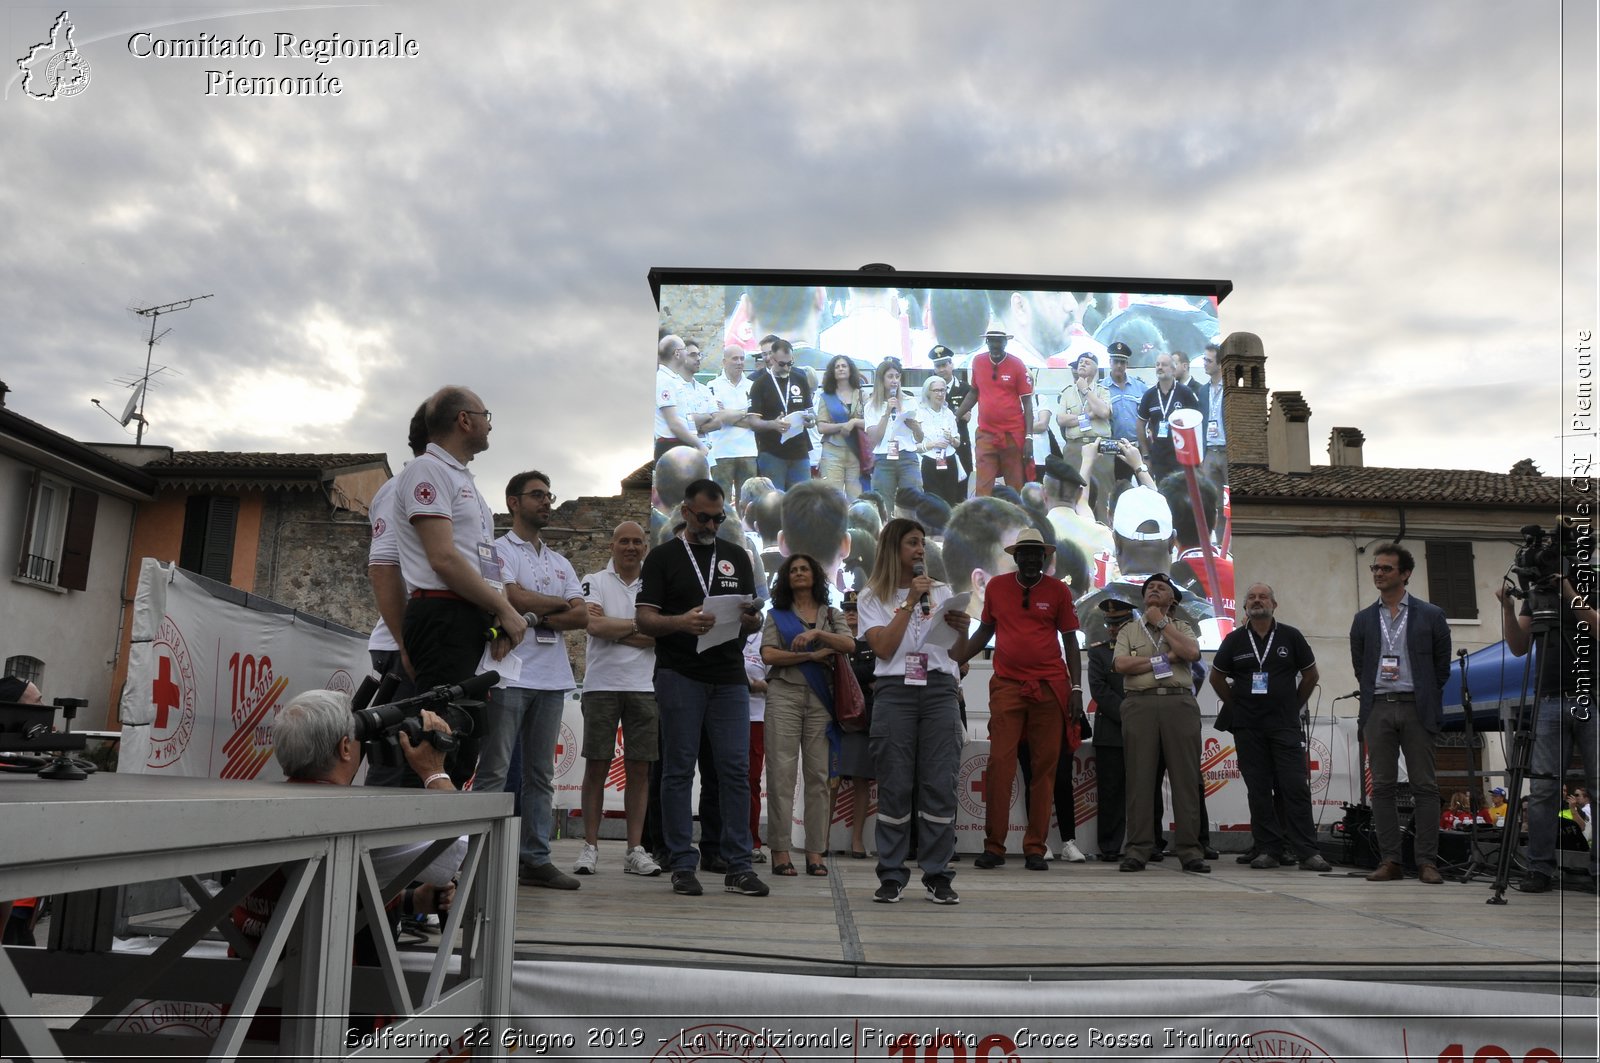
(316, 740)
(1561, 621)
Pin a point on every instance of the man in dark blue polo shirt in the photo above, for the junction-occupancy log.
(701, 690)
(1263, 673)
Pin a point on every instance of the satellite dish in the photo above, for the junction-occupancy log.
(129, 411)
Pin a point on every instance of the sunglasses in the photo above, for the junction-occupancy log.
(713, 518)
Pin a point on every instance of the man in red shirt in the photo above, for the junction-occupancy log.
(1036, 688)
(1003, 394)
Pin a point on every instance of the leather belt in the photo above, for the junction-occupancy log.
(1395, 695)
(451, 595)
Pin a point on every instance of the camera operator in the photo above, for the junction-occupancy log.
(1561, 719)
(313, 738)
(447, 556)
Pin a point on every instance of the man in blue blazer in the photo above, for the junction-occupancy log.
(1400, 650)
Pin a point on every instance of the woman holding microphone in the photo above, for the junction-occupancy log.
(916, 720)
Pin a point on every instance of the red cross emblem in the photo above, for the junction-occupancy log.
(164, 692)
(425, 493)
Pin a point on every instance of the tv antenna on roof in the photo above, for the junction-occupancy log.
(153, 313)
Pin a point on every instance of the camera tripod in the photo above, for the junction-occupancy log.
(1524, 722)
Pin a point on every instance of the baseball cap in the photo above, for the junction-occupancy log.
(1142, 515)
(1498, 791)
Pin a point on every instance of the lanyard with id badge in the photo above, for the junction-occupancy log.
(916, 660)
(543, 634)
(1163, 429)
(1160, 663)
(1393, 638)
(1258, 678)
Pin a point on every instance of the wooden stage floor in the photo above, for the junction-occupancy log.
(1077, 921)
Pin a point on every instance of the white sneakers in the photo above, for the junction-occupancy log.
(1071, 853)
(637, 862)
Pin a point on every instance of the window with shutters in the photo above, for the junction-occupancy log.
(209, 522)
(1452, 584)
(58, 535)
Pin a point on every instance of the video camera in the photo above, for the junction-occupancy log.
(377, 725)
(1542, 560)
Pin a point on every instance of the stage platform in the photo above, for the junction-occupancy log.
(1076, 921)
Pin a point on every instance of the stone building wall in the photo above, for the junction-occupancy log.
(313, 557)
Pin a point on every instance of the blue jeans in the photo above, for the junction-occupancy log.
(722, 712)
(1555, 732)
(783, 472)
(535, 715)
(889, 476)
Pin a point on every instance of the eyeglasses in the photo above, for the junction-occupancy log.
(538, 495)
(488, 418)
(782, 365)
(1382, 568)
(714, 518)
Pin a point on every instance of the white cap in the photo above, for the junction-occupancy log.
(1139, 506)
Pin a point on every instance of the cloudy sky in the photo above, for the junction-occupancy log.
(1383, 183)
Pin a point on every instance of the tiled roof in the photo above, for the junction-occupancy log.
(228, 462)
(1463, 487)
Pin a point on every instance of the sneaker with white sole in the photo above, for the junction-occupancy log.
(939, 890)
(1071, 853)
(586, 861)
(639, 862)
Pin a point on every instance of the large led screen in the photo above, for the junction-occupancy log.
(824, 408)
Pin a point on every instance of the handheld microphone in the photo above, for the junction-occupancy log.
(918, 570)
(494, 632)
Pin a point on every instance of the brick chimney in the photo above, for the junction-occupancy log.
(1289, 433)
(1244, 397)
(1344, 447)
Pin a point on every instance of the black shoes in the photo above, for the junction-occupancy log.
(1197, 867)
(987, 861)
(685, 883)
(745, 882)
(888, 892)
(1130, 864)
(1035, 862)
(939, 890)
(1535, 882)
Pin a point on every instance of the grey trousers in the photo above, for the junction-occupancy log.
(1392, 728)
(916, 751)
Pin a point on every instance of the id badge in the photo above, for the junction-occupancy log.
(545, 636)
(894, 449)
(489, 562)
(1389, 667)
(1083, 421)
(916, 669)
(1258, 682)
(941, 464)
(1213, 433)
(1160, 667)
(1163, 430)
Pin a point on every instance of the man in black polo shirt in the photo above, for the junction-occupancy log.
(776, 392)
(1262, 673)
(701, 691)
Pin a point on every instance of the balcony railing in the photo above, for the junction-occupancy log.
(38, 568)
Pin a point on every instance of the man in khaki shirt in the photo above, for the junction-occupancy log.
(1160, 719)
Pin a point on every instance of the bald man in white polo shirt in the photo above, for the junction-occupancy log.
(448, 559)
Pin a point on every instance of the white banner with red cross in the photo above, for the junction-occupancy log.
(206, 677)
